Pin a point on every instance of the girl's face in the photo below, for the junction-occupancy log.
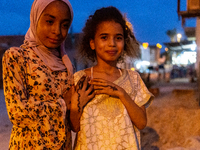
(53, 24)
(108, 41)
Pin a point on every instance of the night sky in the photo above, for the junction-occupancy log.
(150, 18)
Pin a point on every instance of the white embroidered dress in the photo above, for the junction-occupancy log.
(105, 123)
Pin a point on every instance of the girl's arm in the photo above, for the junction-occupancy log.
(137, 114)
(24, 110)
(81, 94)
(28, 110)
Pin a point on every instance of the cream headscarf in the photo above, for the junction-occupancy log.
(49, 57)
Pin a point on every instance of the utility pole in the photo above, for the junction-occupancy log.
(198, 55)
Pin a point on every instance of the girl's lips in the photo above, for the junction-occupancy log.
(55, 41)
(111, 52)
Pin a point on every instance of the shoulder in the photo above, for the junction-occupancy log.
(133, 73)
(77, 75)
(86, 71)
(15, 51)
(16, 55)
(135, 76)
(12, 53)
(143, 96)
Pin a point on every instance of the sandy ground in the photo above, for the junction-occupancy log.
(173, 119)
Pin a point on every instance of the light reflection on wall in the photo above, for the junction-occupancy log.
(142, 66)
(184, 58)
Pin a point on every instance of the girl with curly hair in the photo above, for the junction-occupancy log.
(113, 118)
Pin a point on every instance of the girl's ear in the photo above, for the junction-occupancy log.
(92, 45)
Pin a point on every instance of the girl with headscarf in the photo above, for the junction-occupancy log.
(36, 76)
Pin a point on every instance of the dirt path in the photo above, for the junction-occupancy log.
(173, 118)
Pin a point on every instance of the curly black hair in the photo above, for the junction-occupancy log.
(131, 47)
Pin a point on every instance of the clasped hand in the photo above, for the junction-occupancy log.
(86, 89)
(102, 86)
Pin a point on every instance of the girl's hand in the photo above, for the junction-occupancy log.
(79, 93)
(137, 114)
(82, 93)
(102, 86)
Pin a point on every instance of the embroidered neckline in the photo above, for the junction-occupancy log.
(120, 72)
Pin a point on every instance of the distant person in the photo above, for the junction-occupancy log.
(161, 71)
(36, 77)
(113, 118)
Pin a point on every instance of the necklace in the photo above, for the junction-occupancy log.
(120, 72)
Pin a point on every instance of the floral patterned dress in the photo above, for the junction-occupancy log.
(35, 106)
(105, 123)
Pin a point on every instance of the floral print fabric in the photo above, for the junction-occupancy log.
(105, 123)
(35, 106)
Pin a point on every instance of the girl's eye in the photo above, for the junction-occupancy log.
(65, 25)
(49, 21)
(119, 38)
(104, 37)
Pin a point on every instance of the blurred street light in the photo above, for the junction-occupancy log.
(145, 45)
(179, 36)
(159, 46)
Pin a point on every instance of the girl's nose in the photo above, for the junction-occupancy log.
(112, 42)
(56, 29)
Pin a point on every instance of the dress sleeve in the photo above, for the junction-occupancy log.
(24, 110)
(143, 96)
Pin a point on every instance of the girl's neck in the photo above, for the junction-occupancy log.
(108, 69)
(110, 73)
(104, 71)
(105, 66)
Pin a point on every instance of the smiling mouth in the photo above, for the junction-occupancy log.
(54, 41)
(112, 52)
